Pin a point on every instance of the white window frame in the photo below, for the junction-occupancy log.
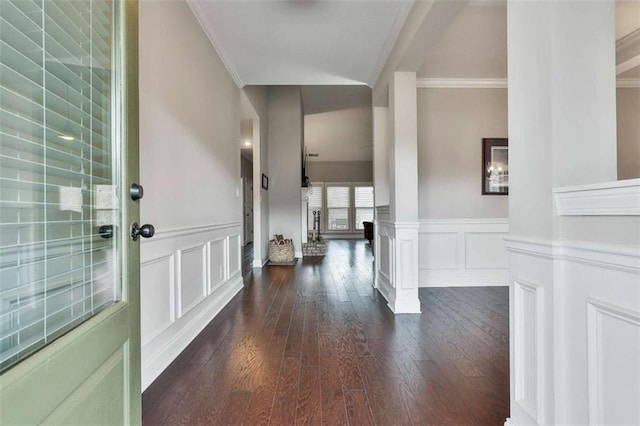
(324, 223)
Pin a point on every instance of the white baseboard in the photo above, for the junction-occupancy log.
(344, 236)
(509, 422)
(161, 359)
(464, 278)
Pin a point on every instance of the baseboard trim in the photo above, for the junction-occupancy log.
(463, 278)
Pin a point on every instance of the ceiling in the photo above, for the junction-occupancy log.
(338, 122)
(627, 17)
(302, 41)
(474, 45)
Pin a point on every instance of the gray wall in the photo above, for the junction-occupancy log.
(340, 171)
(628, 112)
(451, 125)
(188, 138)
(285, 162)
(259, 98)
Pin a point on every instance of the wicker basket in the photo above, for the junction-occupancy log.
(281, 251)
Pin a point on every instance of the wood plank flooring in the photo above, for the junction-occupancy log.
(316, 344)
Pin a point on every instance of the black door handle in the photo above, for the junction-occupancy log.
(144, 231)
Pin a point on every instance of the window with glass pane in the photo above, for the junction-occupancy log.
(364, 205)
(314, 198)
(59, 260)
(338, 208)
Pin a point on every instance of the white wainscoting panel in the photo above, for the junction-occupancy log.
(485, 250)
(527, 310)
(384, 247)
(187, 276)
(157, 296)
(575, 333)
(217, 264)
(598, 318)
(613, 364)
(192, 278)
(462, 252)
(235, 255)
(438, 250)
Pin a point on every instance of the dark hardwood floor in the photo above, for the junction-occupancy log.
(316, 344)
(247, 259)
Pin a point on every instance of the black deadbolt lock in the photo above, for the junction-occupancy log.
(136, 191)
(106, 231)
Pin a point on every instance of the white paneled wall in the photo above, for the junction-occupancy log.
(462, 252)
(575, 334)
(187, 276)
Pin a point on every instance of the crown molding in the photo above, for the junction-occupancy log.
(199, 13)
(628, 83)
(628, 65)
(461, 83)
(630, 40)
(494, 83)
(396, 26)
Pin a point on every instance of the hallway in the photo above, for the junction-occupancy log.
(315, 343)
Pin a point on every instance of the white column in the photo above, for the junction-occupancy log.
(403, 194)
(562, 131)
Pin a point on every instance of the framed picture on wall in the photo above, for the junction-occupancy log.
(265, 182)
(495, 166)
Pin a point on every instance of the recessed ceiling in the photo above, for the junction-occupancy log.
(302, 41)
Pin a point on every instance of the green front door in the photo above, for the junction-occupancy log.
(69, 270)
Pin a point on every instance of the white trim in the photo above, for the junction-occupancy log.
(466, 225)
(461, 83)
(501, 83)
(509, 422)
(383, 209)
(199, 13)
(188, 230)
(628, 83)
(619, 198)
(394, 31)
(630, 40)
(531, 246)
(628, 65)
(607, 256)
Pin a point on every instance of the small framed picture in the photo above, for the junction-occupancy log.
(265, 182)
(495, 166)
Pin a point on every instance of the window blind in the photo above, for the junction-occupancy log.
(364, 205)
(337, 196)
(338, 204)
(57, 170)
